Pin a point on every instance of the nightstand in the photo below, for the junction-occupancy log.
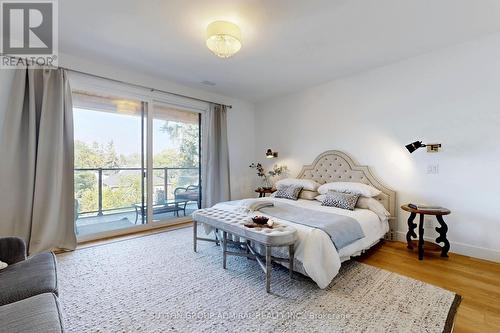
(442, 230)
(263, 191)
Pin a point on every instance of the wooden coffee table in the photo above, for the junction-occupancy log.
(442, 229)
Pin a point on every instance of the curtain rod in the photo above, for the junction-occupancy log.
(134, 84)
(143, 87)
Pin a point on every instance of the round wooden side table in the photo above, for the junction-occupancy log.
(263, 191)
(442, 229)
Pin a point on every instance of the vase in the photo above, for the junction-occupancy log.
(266, 184)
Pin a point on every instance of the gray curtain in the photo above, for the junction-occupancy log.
(36, 171)
(215, 157)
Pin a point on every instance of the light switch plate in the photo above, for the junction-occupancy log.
(433, 169)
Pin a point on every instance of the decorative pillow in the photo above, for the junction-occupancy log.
(307, 184)
(320, 197)
(3, 265)
(347, 187)
(375, 206)
(308, 195)
(340, 200)
(288, 192)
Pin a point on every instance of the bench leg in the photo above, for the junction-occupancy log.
(291, 256)
(216, 233)
(195, 234)
(224, 249)
(269, 267)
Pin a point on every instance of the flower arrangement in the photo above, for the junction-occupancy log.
(266, 176)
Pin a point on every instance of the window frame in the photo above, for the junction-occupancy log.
(88, 83)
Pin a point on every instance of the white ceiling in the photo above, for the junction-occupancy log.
(288, 45)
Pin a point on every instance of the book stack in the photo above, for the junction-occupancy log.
(425, 207)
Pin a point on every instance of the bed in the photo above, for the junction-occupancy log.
(315, 254)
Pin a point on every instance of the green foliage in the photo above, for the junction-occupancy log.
(84, 180)
(125, 194)
(167, 158)
(95, 155)
(277, 170)
(86, 187)
(187, 136)
(128, 191)
(266, 177)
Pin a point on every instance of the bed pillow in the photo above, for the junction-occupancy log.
(307, 184)
(3, 265)
(348, 187)
(308, 195)
(375, 206)
(340, 200)
(320, 197)
(288, 192)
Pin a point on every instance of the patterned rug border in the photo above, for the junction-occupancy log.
(450, 320)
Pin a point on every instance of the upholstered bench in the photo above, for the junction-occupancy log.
(234, 223)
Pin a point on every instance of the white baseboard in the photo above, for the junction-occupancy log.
(461, 248)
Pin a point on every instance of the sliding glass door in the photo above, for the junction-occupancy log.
(176, 162)
(109, 163)
(113, 136)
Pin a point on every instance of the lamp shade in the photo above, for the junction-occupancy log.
(414, 146)
(223, 38)
(271, 154)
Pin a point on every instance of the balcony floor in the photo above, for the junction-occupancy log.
(96, 224)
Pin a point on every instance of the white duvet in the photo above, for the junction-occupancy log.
(314, 248)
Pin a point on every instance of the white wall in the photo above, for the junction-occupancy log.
(240, 117)
(451, 96)
(241, 136)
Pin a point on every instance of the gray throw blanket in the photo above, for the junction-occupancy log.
(343, 230)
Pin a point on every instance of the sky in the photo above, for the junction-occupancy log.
(124, 130)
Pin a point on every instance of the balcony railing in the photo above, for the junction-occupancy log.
(99, 171)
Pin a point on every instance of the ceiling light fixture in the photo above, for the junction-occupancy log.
(223, 38)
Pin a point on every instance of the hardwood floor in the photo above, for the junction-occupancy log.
(476, 280)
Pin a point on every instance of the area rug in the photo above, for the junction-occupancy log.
(157, 283)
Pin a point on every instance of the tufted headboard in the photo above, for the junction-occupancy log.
(336, 166)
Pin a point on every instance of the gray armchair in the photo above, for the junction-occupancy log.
(12, 250)
(190, 193)
(25, 277)
(28, 290)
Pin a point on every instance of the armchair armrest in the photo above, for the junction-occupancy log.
(178, 190)
(12, 250)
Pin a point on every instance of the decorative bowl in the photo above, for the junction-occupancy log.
(260, 220)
